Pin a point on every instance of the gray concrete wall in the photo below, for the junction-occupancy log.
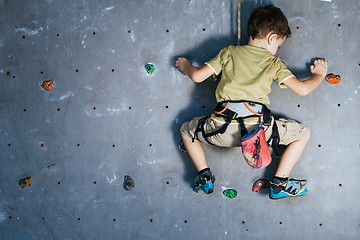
(106, 117)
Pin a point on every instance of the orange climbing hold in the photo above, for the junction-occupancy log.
(48, 85)
(332, 78)
(25, 182)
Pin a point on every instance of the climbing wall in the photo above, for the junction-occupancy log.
(107, 117)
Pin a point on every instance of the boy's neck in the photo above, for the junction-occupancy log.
(257, 42)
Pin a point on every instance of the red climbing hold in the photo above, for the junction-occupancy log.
(260, 184)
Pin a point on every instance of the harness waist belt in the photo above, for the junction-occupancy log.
(243, 110)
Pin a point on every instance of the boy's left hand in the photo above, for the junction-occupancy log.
(320, 67)
(181, 63)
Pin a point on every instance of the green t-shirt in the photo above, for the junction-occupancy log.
(247, 73)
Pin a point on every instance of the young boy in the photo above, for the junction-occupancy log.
(247, 74)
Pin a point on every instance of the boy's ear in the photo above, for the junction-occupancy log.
(271, 36)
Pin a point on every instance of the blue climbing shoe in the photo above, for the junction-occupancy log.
(290, 188)
(205, 182)
(182, 146)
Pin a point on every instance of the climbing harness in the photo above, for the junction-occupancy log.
(233, 110)
(254, 146)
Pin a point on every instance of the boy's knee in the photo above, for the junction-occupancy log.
(188, 129)
(185, 132)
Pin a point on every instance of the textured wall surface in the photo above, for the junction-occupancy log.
(106, 117)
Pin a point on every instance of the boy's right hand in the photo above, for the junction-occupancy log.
(320, 67)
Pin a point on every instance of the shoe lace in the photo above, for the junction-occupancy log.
(204, 179)
(293, 186)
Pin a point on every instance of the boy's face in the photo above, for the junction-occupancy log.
(273, 43)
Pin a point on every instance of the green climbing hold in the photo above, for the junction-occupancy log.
(230, 193)
(150, 68)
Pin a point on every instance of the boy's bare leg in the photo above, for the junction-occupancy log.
(290, 157)
(196, 154)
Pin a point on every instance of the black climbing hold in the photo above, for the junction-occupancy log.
(128, 183)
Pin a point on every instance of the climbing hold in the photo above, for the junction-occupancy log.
(332, 78)
(259, 184)
(128, 183)
(25, 182)
(230, 193)
(48, 85)
(150, 68)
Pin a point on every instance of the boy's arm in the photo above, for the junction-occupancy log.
(196, 74)
(303, 88)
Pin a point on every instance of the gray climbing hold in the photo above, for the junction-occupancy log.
(128, 183)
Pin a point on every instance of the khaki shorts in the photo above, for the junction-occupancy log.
(289, 131)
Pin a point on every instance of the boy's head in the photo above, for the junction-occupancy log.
(265, 20)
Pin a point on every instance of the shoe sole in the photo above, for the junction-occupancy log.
(287, 195)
